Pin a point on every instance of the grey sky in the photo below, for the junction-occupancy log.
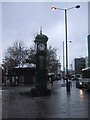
(22, 21)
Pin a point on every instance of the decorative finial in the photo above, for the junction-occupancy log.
(41, 30)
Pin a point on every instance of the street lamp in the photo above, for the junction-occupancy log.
(63, 64)
(65, 10)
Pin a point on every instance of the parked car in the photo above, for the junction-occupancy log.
(79, 83)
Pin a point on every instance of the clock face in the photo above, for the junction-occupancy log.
(41, 46)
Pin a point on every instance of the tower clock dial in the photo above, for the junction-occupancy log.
(41, 46)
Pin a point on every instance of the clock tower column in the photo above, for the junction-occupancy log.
(41, 71)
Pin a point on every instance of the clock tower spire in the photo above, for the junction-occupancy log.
(41, 30)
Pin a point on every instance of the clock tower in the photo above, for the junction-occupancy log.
(41, 71)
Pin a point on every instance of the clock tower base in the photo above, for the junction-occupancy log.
(39, 92)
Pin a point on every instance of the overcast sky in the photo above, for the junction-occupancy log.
(22, 21)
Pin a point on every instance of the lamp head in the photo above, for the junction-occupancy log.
(78, 6)
(53, 8)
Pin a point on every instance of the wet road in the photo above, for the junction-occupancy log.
(16, 104)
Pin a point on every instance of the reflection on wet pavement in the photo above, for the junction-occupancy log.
(59, 104)
(0, 104)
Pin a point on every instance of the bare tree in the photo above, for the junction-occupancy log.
(14, 55)
(31, 55)
(51, 59)
(17, 54)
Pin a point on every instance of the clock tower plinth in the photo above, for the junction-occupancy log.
(41, 71)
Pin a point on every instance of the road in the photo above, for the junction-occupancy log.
(60, 104)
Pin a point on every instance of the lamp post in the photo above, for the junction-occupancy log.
(63, 64)
(65, 11)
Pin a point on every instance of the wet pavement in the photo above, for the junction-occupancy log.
(60, 104)
(0, 103)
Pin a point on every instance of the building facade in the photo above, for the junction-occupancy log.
(79, 65)
(88, 50)
(22, 75)
(86, 62)
(0, 76)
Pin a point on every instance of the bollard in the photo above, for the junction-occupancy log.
(69, 86)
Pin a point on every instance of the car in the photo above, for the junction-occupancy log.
(79, 83)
